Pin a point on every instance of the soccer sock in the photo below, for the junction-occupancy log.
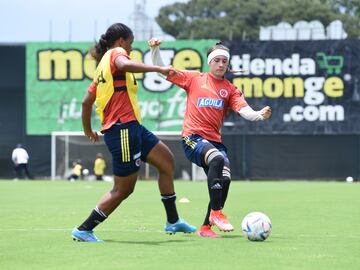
(206, 220)
(225, 190)
(215, 190)
(214, 183)
(95, 218)
(170, 207)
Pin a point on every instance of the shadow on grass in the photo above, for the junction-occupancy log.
(148, 243)
(231, 236)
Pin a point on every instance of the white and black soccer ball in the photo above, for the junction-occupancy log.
(256, 226)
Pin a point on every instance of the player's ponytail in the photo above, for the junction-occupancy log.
(107, 40)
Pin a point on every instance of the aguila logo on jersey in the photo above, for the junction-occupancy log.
(223, 93)
(211, 102)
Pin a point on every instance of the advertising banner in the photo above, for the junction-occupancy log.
(59, 74)
(311, 86)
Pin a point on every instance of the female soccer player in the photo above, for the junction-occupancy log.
(208, 97)
(114, 92)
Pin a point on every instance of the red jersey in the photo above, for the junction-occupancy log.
(207, 102)
(119, 108)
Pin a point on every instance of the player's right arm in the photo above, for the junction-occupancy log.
(181, 78)
(87, 104)
(154, 44)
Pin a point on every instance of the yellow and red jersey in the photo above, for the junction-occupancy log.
(208, 99)
(116, 91)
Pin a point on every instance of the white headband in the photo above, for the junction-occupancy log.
(218, 52)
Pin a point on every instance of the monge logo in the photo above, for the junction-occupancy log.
(211, 102)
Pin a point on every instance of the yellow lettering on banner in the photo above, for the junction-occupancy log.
(89, 66)
(187, 59)
(60, 65)
(251, 87)
(334, 87)
(137, 56)
(273, 87)
(293, 87)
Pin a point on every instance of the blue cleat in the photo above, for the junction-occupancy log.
(84, 236)
(180, 226)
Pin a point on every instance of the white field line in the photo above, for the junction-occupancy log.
(145, 230)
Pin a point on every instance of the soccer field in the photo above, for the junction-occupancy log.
(315, 226)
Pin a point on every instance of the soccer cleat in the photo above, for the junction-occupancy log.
(218, 219)
(84, 236)
(179, 226)
(205, 231)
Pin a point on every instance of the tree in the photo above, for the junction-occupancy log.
(350, 14)
(241, 19)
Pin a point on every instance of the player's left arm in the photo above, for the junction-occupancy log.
(249, 114)
(87, 104)
(239, 105)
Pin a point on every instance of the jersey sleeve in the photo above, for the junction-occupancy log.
(92, 88)
(237, 99)
(182, 78)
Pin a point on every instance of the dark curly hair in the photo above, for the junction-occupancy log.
(107, 40)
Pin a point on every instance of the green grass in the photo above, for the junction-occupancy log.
(316, 225)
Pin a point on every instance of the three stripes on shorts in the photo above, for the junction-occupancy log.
(125, 147)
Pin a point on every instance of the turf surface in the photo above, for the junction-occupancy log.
(315, 226)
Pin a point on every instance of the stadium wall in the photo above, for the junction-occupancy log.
(13, 115)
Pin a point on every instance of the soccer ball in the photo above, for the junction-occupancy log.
(85, 172)
(256, 226)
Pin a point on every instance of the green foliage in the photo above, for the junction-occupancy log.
(241, 19)
(350, 14)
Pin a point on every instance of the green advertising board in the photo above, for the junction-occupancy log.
(59, 74)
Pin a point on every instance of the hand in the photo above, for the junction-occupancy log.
(92, 135)
(166, 71)
(266, 112)
(154, 42)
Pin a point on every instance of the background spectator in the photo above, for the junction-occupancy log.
(20, 157)
(99, 166)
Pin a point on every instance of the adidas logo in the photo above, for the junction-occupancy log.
(216, 186)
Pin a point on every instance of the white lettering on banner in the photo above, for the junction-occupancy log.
(177, 101)
(312, 113)
(312, 95)
(313, 90)
(155, 83)
(150, 108)
(69, 111)
(173, 109)
(274, 66)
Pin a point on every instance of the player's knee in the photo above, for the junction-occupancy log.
(171, 161)
(167, 166)
(217, 161)
(121, 194)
